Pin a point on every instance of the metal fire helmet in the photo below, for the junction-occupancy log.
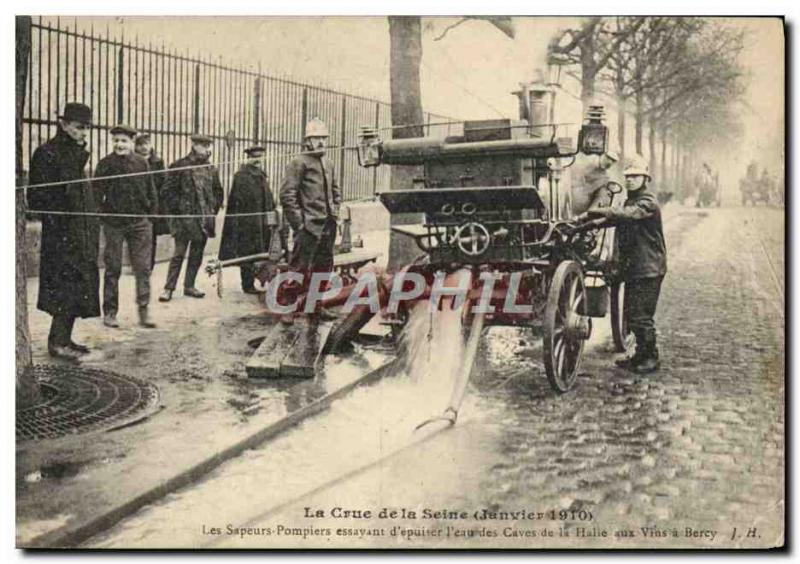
(316, 128)
(593, 137)
(637, 165)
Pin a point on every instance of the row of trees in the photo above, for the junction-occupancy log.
(678, 78)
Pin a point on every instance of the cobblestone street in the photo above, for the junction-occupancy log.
(693, 451)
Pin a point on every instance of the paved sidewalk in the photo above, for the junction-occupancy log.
(196, 358)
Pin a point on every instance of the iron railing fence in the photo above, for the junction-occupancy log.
(172, 95)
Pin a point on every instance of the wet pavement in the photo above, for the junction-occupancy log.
(196, 357)
(690, 457)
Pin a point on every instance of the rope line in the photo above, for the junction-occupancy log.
(168, 170)
(143, 216)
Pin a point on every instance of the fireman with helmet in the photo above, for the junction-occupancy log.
(643, 261)
(311, 198)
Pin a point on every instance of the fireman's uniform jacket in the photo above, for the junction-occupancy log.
(642, 250)
(309, 194)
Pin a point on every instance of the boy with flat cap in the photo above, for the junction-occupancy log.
(69, 282)
(130, 198)
(193, 188)
(248, 235)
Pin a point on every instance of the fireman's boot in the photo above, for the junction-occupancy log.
(649, 361)
(629, 360)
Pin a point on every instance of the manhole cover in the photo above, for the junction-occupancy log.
(76, 400)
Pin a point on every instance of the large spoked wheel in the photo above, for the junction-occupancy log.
(565, 329)
(621, 335)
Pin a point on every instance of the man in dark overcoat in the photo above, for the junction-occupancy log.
(248, 235)
(193, 188)
(145, 149)
(69, 283)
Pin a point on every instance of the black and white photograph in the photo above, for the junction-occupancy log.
(400, 282)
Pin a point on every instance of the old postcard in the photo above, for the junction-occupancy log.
(400, 282)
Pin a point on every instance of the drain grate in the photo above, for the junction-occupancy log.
(76, 400)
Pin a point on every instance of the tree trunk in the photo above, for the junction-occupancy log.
(405, 33)
(639, 126)
(27, 390)
(651, 146)
(664, 173)
(621, 127)
(679, 188)
(675, 178)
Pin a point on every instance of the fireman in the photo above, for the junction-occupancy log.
(311, 198)
(643, 261)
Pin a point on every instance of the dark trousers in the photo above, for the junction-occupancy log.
(139, 237)
(153, 253)
(641, 300)
(61, 330)
(311, 254)
(248, 273)
(314, 254)
(196, 248)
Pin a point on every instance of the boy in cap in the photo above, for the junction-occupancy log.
(143, 148)
(132, 195)
(69, 282)
(643, 261)
(195, 189)
(248, 235)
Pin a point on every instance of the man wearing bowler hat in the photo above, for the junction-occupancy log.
(192, 188)
(69, 283)
(126, 192)
(248, 235)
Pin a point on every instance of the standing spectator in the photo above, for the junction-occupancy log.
(248, 235)
(132, 193)
(311, 198)
(144, 149)
(194, 188)
(69, 283)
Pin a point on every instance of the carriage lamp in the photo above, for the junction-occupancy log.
(369, 147)
(593, 136)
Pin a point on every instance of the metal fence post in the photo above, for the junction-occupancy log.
(256, 109)
(342, 140)
(304, 113)
(120, 85)
(375, 168)
(196, 120)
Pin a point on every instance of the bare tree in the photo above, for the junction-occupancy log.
(405, 34)
(27, 390)
(590, 47)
